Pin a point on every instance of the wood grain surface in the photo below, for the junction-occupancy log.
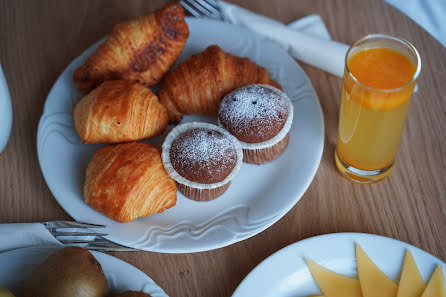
(39, 38)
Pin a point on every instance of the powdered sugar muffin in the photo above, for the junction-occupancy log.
(260, 117)
(202, 158)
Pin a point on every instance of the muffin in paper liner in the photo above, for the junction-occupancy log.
(239, 106)
(201, 184)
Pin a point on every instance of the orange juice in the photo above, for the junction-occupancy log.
(376, 94)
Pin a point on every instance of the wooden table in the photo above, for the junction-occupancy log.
(39, 39)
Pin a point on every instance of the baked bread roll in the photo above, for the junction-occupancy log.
(140, 50)
(198, 85)
(119, 111)
(127, 181)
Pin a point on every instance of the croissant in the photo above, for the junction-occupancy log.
(119, 111)
(140, 50)
(198, 85)
(127, 181)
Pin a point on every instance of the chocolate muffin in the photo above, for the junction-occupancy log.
(202, 158)
(260, 117)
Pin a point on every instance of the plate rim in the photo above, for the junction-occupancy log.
(220, 244)
(348, 235)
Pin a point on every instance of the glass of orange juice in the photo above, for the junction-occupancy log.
(379, 80)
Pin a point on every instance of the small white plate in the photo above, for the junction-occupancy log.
(258, 196)
(16, 265)
(285, 273)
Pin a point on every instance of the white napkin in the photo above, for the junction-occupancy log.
(5, 111)
(16, 236)
(429, 14)
(306, 39)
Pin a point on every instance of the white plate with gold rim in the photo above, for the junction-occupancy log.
(17, 264)
(285, 273)
(258, 196)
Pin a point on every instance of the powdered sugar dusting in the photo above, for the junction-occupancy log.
(253, 113)
(203, 155)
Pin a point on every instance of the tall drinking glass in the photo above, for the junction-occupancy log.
(379, 79)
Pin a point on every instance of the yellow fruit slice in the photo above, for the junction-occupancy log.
(333, 284)
(374, 283)
(411, 283)
(435, 286)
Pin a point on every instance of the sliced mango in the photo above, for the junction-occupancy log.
(435, 286)
(411, 282)
(374, 283)
(333, 284)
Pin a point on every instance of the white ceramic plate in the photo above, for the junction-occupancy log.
(285, 273)
(257, 198)
(16, 265)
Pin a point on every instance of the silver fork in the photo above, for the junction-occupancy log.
(87, 239)
(203, 8)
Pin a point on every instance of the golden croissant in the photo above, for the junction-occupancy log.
(119, 111)
(127, 181)
(140, 50)
(198, 85)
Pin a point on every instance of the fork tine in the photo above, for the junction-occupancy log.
(102, 246)
(213, 3)
(76, 241)
(63, 241)
(207, 5)
(97, 243)
(70, 224)
(116, 248)
(202, 10)
(56, 234)
(191, 10)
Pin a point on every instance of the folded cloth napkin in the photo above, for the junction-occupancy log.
(428, 14)
(5, 111)
(21, 235)
(306, 39)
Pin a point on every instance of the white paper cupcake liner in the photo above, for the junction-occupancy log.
(180, 179)
(282, 133)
